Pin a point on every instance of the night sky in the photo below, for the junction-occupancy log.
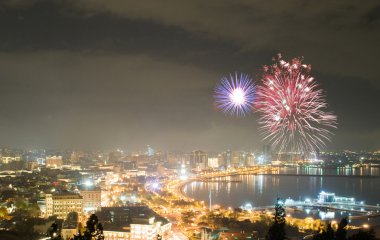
(103, 74)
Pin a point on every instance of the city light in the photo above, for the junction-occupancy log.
(88, 183)
(178, 120)
(155, 185)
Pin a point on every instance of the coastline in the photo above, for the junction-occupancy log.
(179, 187)
(228, 176)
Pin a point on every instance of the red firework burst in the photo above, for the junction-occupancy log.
(293, 108)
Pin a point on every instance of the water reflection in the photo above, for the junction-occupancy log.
(262, 190)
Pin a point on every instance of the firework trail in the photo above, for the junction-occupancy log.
(293, 108)
(235, 94)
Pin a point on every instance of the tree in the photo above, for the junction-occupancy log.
(34, 210)
(94, 229)
(79, 236)
(4, 215)
(53, 232)
(364, 235)
(24, 228)
(99, 229)
(327, 234)
(277, 230)
(341, 232)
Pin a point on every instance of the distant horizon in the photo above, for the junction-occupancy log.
(126, 150)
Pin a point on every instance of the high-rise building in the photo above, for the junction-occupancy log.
(213, 162)
(149, 151)
(267, 153)
(237, 158)
(199, 159)
(226, 156)
(250, 159)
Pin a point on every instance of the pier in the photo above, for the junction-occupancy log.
(368, 211)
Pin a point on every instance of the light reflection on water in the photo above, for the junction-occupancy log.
(262, 190)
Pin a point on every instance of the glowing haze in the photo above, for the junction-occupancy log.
(293, 108)
(95, 74)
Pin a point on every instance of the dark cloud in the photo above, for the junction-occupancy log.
(125, 74)
(340, 37)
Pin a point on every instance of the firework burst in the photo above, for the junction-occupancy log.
(235, 94)
(293, 108)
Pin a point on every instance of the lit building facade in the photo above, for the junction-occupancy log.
(6, 160)
(121, 234)
(62, 204)
(54, 162)
(132, 223)
(92, 197)
(145, 230)
(199, 159)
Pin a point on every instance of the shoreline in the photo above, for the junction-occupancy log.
(266, 171)
(200, 178)
(178, 187)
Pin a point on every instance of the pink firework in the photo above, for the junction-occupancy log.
(293, 108)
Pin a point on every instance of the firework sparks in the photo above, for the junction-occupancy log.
(235, 95)
(293, 108)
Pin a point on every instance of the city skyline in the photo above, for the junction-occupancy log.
(88, 75)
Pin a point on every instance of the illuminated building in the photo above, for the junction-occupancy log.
(74, 157)
(238, 235)
(250, 159)
(199, 159)
(31, 165)
(237, 158)
(267, 154)
(6, 160)
(150, 151)
(325, 197)
(148, 229)
(117, 234)
(91, 197)
(62, 204)
(213, 162)
(132, 222)
(54, 162)
(226, 159)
